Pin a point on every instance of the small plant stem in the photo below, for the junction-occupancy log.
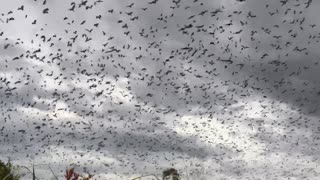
(146, 176)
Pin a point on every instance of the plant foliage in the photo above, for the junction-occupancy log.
(6, 171)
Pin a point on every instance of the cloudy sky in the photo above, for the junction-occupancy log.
(229, 88)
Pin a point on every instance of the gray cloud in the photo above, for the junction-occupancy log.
(228, 84)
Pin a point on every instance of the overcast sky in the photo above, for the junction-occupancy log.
(124, 88)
